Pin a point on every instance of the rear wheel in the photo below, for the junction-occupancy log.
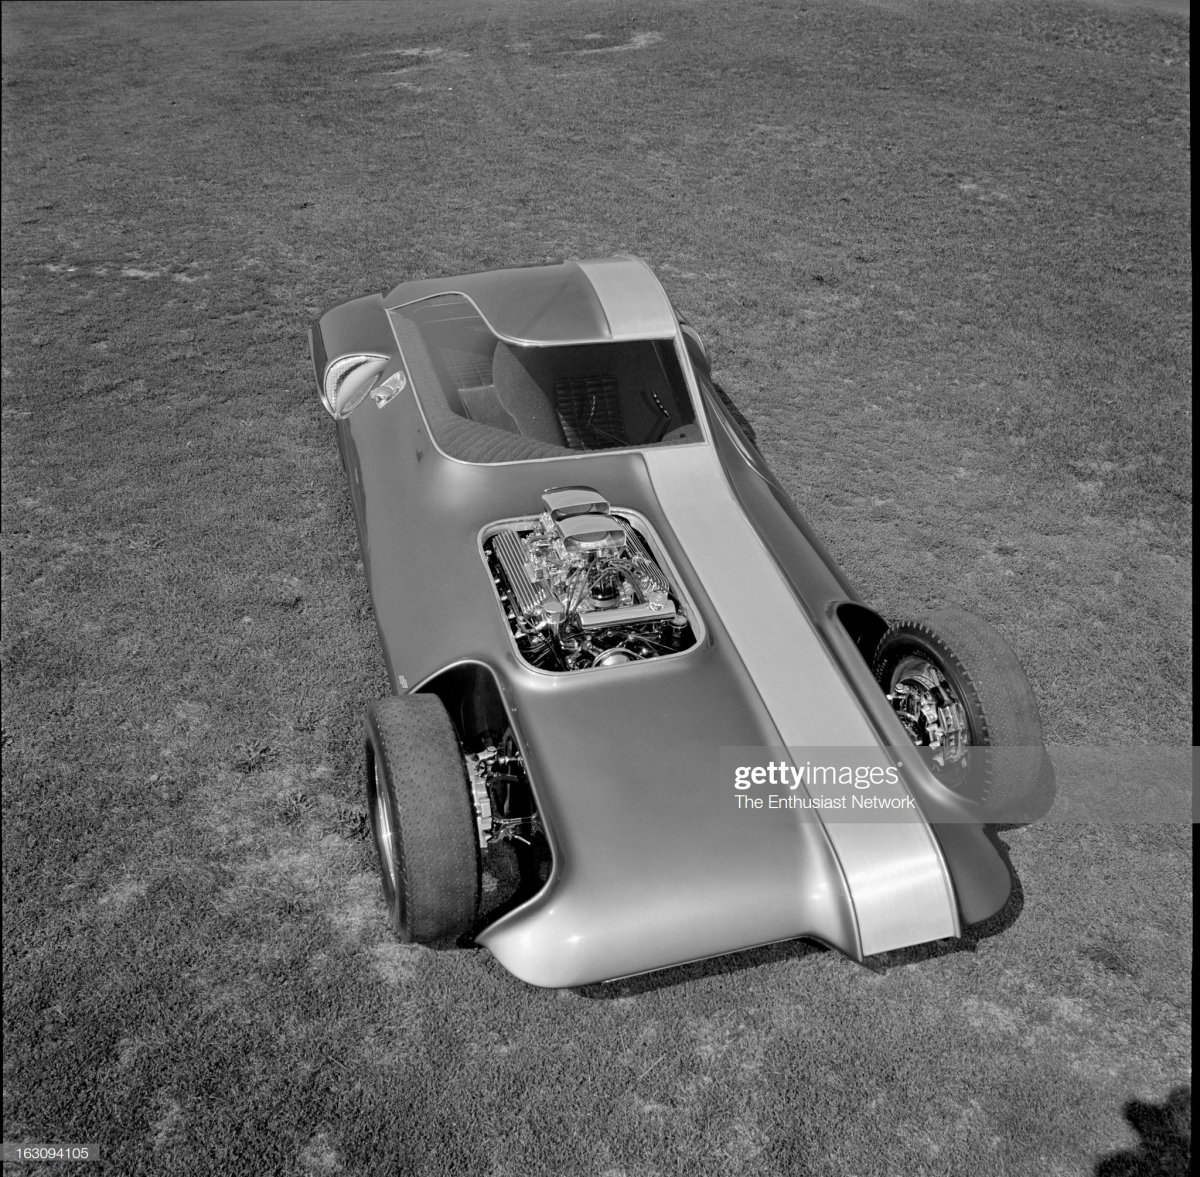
(962, 696)
(422, 819)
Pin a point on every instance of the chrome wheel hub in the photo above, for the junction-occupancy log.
(932, 714)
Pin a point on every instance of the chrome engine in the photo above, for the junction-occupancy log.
(580, 588)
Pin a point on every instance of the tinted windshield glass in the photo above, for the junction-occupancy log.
(563, 398)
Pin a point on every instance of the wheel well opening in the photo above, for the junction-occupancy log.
(865, 627)
(472, 699)
(516, 848)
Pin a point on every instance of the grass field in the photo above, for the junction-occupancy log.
(940, 252)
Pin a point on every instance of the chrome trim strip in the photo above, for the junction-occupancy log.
(519, 341)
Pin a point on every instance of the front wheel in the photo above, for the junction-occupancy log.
(963, 698)
(422, 819)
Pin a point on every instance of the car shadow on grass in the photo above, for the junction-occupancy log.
(973, 934)
(717, 966)
(1031, 808)
(1165, 1148)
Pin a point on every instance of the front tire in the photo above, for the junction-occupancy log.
(422, 819)
(962, 696)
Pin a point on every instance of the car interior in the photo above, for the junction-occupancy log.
(541, 401)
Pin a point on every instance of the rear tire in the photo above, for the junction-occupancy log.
(953, 659)
(422, 819)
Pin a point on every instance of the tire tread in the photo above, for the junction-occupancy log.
(434, 816)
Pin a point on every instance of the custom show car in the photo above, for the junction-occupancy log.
(617, 650)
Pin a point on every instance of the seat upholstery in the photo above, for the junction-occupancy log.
(472, 441)
(523, 396)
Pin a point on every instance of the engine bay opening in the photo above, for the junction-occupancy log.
(582, 588)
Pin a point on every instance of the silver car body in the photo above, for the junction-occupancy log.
(651, 865)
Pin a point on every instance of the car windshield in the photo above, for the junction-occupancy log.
(547, 400)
